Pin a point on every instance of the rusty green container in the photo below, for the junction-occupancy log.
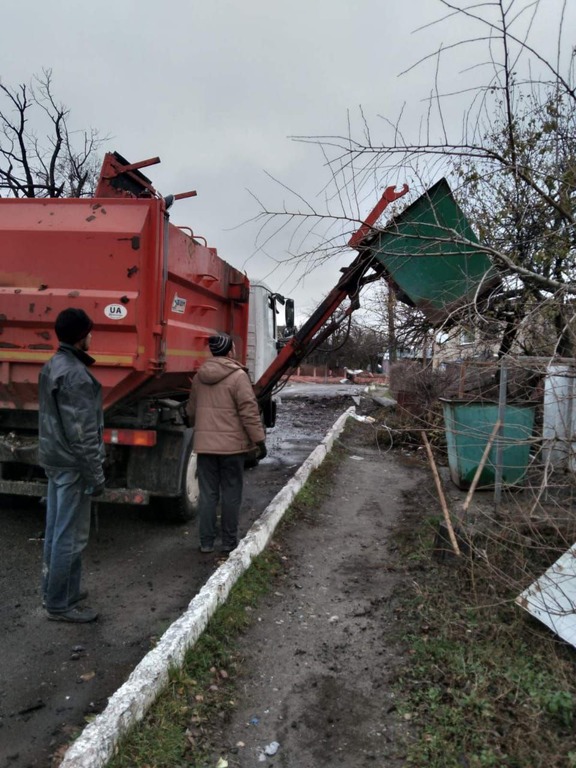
(421, 253)
(469, 425)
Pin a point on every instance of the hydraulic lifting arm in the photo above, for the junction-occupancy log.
(363, 270)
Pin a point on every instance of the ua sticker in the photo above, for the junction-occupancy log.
(178, 304)
(115, 311)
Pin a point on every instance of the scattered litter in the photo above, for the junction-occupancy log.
(357, 458)
(87, 677)
(254, 720)
(384, 402)
(356, 399)
(333, 619)
(272, 748)
(350, 374)
(222, 763)
(365, 419)
(261, 757)
(240, 744)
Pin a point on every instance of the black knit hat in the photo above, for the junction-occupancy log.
(72, 325)
(220, 344)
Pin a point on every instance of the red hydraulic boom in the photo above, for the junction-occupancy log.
(363, 270)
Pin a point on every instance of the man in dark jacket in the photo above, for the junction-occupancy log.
(71, 451)
(224, 412)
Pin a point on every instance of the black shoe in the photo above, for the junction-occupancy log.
(206, 549)
(225, 549)
(75, 615)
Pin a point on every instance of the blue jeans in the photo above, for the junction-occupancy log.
(220, 478)
(66, 537)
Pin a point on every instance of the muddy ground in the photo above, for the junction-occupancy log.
(321, 656)
(141, 575)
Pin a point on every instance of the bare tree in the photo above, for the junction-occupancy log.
(40, 155)
(404, 329)
(511, 160)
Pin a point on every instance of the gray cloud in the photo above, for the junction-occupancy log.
(217, 88)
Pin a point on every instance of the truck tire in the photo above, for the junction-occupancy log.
(181, 508)
(188, 501)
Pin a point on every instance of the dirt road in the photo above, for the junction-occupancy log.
(141, 575)
(322, 651)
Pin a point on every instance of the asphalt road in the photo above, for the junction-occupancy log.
(141, 575)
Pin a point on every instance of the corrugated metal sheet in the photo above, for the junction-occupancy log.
(552, 598)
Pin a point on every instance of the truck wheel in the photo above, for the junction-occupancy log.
(188, 500)
(182, 508)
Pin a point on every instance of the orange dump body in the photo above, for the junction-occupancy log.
(154, 292)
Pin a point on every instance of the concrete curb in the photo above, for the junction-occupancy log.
(96, 744)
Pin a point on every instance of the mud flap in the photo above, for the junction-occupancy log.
(268, 411)
(159, 469)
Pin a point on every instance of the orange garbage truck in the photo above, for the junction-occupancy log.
(155, 292)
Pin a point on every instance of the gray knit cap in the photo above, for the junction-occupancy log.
(220, 344)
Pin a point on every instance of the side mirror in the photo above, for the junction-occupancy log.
(289, 313)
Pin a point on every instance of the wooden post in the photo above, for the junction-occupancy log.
(479, 468)
(443, 504)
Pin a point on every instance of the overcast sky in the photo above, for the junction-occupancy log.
(217, 88)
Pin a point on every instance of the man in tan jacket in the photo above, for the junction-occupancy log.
(224, 412)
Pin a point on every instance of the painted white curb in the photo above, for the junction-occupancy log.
(95, 745)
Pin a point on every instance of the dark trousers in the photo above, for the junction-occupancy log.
(67, 531)
(220, 479)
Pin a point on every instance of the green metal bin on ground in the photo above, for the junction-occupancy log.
(469, 425)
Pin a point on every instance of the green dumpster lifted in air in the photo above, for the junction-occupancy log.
(429, 255)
